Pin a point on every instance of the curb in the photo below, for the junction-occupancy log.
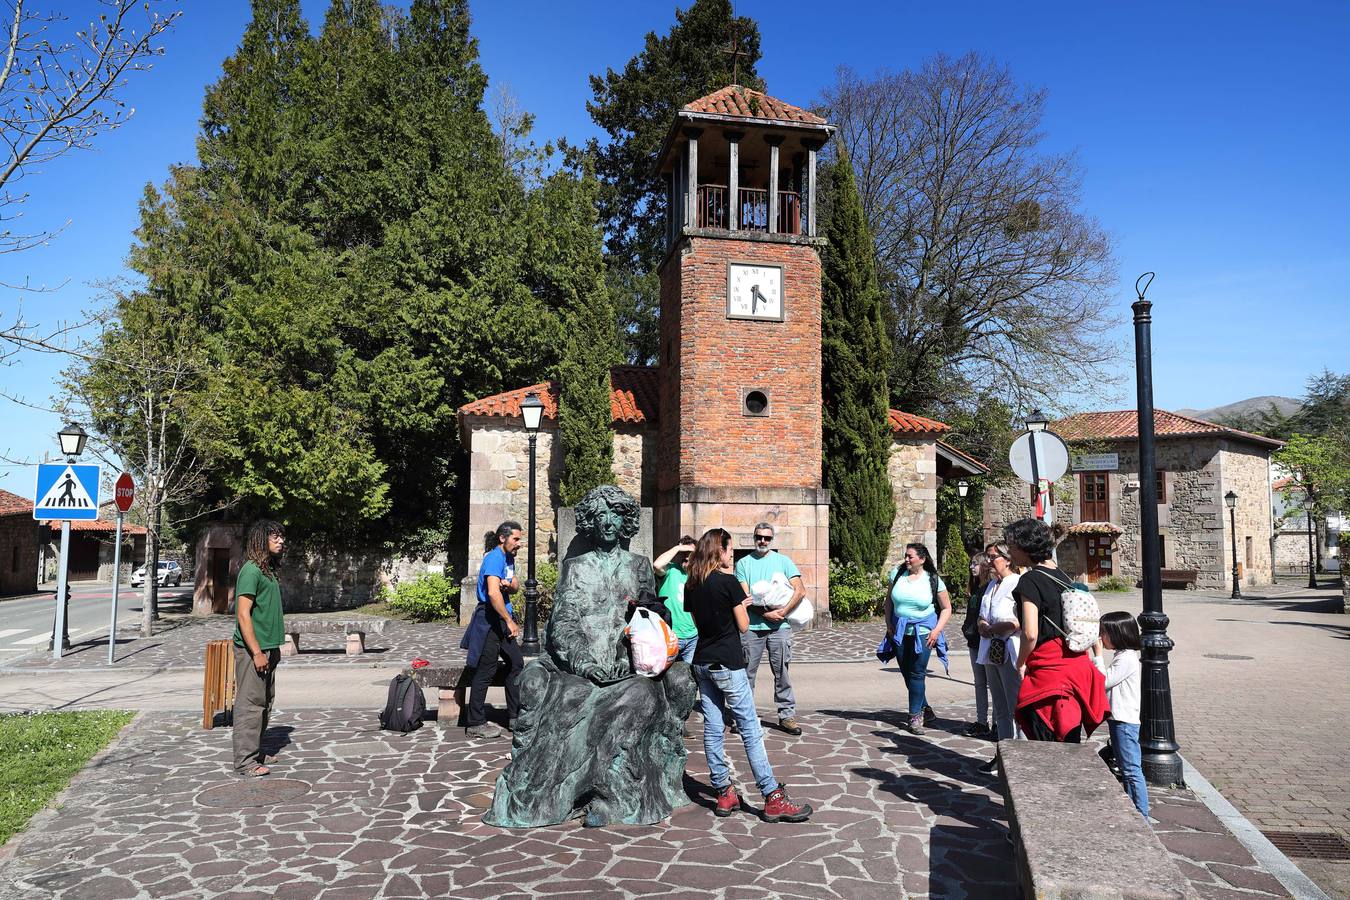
(1260, 847)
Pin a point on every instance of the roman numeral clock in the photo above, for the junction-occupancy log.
(754, 291)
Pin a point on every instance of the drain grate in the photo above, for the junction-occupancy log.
(1227, 656)
(253, 792)
(1310, 844)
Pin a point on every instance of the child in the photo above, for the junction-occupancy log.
(1120, 633)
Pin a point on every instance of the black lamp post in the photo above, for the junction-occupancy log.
(962, 488)
(1312, 558)
(1231, 499)
(72, 439)
(1162, 761)
(532, 411)
(1037, 422)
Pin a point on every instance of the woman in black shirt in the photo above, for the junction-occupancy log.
(717, 602)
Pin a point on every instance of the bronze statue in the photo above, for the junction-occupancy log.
(594, 739)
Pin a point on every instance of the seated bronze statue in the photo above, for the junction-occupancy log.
(594, 739)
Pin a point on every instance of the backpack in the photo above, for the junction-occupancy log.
(404, 709)
(1082, 617)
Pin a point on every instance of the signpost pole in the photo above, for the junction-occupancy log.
(59, 626)
(117, 583)
(1035, 476)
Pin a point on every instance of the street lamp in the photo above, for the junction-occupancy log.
(1312, 559)
(962, 488)
(1158, 740)
(532, 411)
(72, 439)
(1037, 421)
(1231, 499)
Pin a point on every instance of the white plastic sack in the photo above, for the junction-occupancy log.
(801, 614)
(651, 642)
(773, 592)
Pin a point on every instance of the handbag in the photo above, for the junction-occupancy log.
(998, 651)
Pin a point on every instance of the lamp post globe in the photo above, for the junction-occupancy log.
(1037, 420)
(532, 412)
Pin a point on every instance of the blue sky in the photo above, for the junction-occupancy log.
(1213, 139)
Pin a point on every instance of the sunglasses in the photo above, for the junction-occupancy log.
(763, 538)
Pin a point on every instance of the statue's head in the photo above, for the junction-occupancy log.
(606, 514)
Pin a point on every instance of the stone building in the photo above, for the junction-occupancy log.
(1294, 546)
(726, 430)
(1198, 463)
(19, 543)
(91, 549)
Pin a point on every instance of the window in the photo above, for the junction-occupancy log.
(1249, 553)
(1162, 486)
(14, 566)
(1162, 550)
(1092, 486)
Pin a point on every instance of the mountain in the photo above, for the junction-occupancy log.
(1251, 406)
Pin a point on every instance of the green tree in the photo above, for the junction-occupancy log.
(855, 357)
(955, 564)
(635, 108)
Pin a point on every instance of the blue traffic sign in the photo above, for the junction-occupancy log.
(66, 491)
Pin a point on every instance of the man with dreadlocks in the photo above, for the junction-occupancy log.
(258, 636)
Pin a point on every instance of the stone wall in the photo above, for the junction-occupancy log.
(1192, 520)
(912, 469)
(18, 554)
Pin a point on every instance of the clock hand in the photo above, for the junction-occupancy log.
(755, 297)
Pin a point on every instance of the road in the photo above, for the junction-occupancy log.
(26, 624)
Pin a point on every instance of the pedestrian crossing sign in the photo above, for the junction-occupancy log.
(66, 491)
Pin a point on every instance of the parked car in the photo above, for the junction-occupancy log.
(170, 574)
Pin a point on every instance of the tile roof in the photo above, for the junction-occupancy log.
(963, 457)
(102, 526)
(734, 100)
(13, 504)
(1123, 425)
(908, 423)
(633, 398)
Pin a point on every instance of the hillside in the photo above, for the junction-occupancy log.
(1242, 408)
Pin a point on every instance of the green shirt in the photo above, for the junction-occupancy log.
(672, 591)
(752, 569)
(268, 626)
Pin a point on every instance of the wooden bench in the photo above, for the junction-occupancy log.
(1075, 833)
(355, 630)
(452, 684)
(1178, 579)
(218, 690)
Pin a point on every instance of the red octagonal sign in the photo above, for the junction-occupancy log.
(124, 491)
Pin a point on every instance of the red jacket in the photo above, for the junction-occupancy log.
(1064, 688)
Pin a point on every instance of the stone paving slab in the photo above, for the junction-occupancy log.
(398, 816)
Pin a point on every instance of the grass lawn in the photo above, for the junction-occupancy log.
(44, 750)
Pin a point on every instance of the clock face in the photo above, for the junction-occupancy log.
(754, 291)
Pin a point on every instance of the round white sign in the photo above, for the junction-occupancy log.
(1052, 456)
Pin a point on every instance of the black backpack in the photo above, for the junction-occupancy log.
(404, 709)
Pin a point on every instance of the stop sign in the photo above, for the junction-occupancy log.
(124, 491)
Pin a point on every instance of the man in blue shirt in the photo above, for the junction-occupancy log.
(492, 632)
(769, 628)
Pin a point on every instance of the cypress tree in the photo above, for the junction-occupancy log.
(955, 565)
(855, 359)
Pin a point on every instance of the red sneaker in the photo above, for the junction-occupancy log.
(727, 801)
(778, 808)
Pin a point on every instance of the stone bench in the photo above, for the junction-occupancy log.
(1179, 579)
(1075, 832)
(452, 684)
(355, 630)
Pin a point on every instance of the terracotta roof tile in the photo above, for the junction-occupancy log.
(632, 401)
(963, 456)
(908, 423)
(100, 525)
(734, 100)
(1123, 425)
(13, 504)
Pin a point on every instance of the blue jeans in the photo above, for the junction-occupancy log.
(1125, 742)
(723, 690)
(914, 666)
(687, 646)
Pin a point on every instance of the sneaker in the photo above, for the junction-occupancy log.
(486, 731)
(778, 808)
(990, 767)
(727, 802)
(929, 717)
(733, 729)
(916, 724)
(790, 726)
(975, 730)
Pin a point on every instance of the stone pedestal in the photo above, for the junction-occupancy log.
(800, 517)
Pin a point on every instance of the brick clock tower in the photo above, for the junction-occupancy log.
(740, 416)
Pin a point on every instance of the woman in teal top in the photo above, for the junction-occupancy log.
(917, 609)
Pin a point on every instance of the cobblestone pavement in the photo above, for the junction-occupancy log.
(182, 641)
(398, 816)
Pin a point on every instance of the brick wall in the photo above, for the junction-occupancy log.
(708, 360)
(18, 554)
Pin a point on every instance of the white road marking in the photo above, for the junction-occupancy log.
(8, 631)
(35, 639)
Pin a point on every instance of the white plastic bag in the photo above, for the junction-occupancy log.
(652, 644)
(801, 614)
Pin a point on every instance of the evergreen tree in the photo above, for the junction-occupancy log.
(635, 108)
(955, 565)
(855, 357)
